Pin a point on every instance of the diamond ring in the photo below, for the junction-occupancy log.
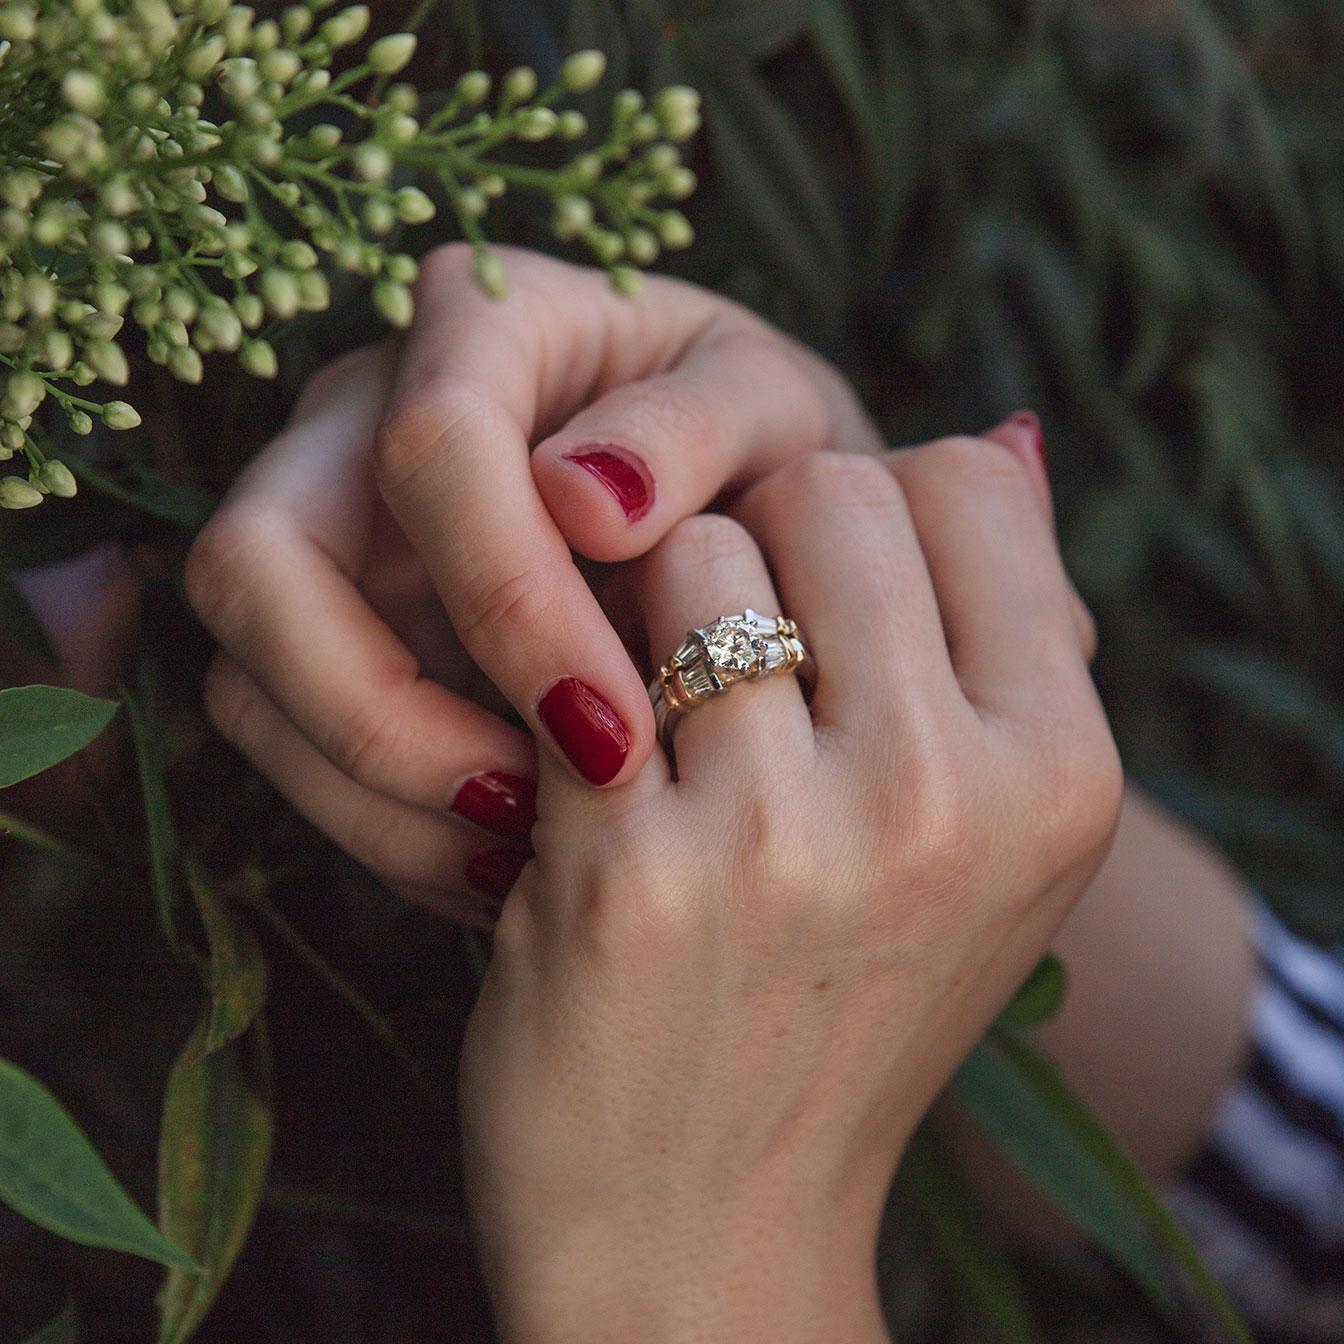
(712, 658)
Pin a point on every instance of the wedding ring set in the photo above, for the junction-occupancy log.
(717, 656)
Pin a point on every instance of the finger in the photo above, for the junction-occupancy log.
(1006, 604)
(1021, 434)
(273, 576)
(741, 401)
(453, 466)
(706, 567)
(842, 545)
(440, 862)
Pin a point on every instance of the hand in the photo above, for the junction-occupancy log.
(401, 511)
(719, 1003)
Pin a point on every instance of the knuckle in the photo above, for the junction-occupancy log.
(670, 413)
(838, 480)
(1086, 778)
(365, 745)
(425, 430)
(514, 607)
(970, 463)
(705, 542)
(222, 560)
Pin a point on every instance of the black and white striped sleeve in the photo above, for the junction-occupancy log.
(1264, 1198)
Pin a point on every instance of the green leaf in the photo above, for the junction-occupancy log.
(20, 625)
(1041, 996)
(1025, 1125)
(236, 971)
(214, 1149)
(40, 725)
(1118, 1171)
(929, 1181)
(50, 1173)
(164, 856)
(62, 1329)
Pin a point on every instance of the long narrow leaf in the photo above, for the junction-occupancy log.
(62, 1329)
(1118, 1170)
(50, 1173)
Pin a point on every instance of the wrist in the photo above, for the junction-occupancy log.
(757, 1283)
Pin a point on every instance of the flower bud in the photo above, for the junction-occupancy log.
(230, 183)
(399, 129)
(394, 302)
(202, 59)
(491, 274)
(675, 229)
(258, 358)
(16, 493)
(280, 292)
(679, 183)
(473, 88)
(57, 349)
(325, 136)
(572, 215)
(81, 422)
(518, 85)
(185, 363)
(678, 111)
(251, 311)
(412, 205)
(372, 162)
(280, 65)
(346, 27)
(402, 98)
(378, 216)
(24, 393)
(627, 280)
(571, 124)
(583, 70)
(401, 268)
(108, 361)
(642, 246)
(222, 325)
(120, 415)
(58, 478)
(471, 203)
(314, 292)
(83, 91)
(391, 54)
(538, 124)
(298, 255)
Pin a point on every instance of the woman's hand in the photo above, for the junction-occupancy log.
(433, 494)
(719, 1003)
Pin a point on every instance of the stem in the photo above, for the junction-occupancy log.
(34, 837)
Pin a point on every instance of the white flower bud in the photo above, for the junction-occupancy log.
(378, 216)
(250, 309)
(572, 215)
(346, 27)
(230, 183)
(626, 280)
(83, 91)
(391, 54)
(24, 393)
(58, 478)
(412, 205)
(58, 350)
(324, 136)
(679, 183)
(109, 238)
(394, 302)
(120, 415)
(538, 124)
(571, 124)
(265, 37)
(202, 59)
(314, 292)
(280, 65)
(402, 98)
(473, 88)
(471, 203)
(518, 85)
(39, 295)
(81, 422)
(298, 256)
(185, 364)
(583, 70)
(258, 358)
(401, 268)
(372, 163)
(399, 128)
(108, 361)
(491, 274)
(280, 291)
(675, 229)
(18, 23)
(16, 493)
(642, 246)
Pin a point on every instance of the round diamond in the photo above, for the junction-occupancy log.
(730, 645)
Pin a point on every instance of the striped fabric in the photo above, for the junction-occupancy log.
(1265, 1197)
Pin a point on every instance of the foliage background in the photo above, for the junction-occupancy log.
(1127, 214)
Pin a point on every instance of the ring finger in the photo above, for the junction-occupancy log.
(706, 567)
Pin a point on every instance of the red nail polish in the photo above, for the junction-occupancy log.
(588, 730)
(624, 474)
(494, 871)
(499, 802)
(1031, 422)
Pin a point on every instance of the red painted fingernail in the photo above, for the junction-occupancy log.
(494, 871)
(588, 730)
(624, 474)
(503, 803)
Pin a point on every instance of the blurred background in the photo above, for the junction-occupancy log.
(1128, 215)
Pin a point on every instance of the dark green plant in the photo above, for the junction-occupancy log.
(1128, 216)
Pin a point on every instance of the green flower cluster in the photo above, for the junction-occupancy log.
(191, 168)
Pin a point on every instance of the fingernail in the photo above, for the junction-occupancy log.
(494, 871)
(503, 803)
(1030, 422)
(624, 474)
(1021, 433)
(588, 730)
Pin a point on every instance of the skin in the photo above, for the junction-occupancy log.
(719, 1004)
(397, 551)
